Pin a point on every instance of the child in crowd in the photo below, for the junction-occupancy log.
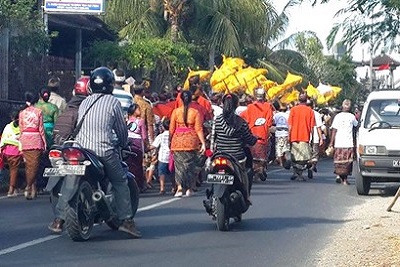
(137, 137)
(11, 151)
(161, 143)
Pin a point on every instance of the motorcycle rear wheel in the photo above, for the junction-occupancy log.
(79, 217)
(222, 215)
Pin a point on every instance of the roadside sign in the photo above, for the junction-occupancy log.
(74, 6)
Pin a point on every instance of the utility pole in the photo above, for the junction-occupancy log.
(371, 65)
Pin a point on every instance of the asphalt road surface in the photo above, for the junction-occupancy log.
(287, 224)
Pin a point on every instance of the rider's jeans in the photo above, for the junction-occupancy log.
(118, 179)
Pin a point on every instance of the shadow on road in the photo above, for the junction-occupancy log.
(282, 223)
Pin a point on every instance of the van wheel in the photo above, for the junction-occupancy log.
(363, 184)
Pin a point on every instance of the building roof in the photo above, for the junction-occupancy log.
(380, 60)
(85, 22)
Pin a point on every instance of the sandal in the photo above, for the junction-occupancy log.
(12, 194)
(178, 193)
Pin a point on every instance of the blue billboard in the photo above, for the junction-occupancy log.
(74, 6)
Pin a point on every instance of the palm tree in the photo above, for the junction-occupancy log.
(135, 19)
(229, 25)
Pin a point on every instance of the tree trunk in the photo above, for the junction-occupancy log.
(211, 58)
(174, 29)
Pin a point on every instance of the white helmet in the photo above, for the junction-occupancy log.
(259, 93)
(119, 75)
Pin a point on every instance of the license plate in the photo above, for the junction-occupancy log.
(396, 163)
(220, 179)
(63, 170)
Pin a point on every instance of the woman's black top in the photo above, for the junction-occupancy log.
(232, 139)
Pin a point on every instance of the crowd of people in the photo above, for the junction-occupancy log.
(170, 131)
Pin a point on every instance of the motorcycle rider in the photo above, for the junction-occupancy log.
(103, 125)
(124, 97)
(66, 121)
(259, 110)
(232, 134)
(63, 128)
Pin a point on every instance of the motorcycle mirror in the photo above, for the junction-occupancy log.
(260, 121)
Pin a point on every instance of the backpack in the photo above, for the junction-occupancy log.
(65, 125)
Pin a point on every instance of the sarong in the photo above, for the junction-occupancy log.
(301, 151)
(259, 152)
(343, 161)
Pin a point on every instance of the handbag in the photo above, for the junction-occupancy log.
(329, 151)
(171, 162)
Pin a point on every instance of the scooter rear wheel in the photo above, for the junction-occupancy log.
(79, 217)
(222, 215)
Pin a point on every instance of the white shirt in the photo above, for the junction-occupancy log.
(162, 142)
(240, 109)
(318, 123)
(217, 110)
(344, 123)
(281, 124)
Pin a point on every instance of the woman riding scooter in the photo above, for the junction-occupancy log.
(232, 135)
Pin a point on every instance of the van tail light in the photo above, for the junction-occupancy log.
(54, 153)
(73, 155)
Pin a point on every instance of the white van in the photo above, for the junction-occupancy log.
(378, 141)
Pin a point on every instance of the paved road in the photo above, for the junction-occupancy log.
(287, 224)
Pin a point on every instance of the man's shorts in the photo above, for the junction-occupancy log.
(163, 169)
(282, 145)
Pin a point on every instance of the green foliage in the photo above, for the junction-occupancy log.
(104, 53)
(342, 73)
(19, 12)
(148, 53)
(26, 25)
(160, 59)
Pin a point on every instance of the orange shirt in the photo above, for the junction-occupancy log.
(301, 122)
(255, 111)
(185, 138)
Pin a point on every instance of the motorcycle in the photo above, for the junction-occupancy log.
(226, 198)
(78, 176)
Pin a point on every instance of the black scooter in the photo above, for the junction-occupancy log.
(227, 196)
(78, 176)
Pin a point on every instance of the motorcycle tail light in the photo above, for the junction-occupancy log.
(220, 162)
(54, 153)
(73, 155)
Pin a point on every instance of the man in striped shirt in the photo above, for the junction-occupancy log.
(124, 97)
(103, 122)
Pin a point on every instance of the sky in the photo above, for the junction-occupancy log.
(320, 19)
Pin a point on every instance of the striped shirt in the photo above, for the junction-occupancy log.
(103, 123)
(230, 139)
(124, 97)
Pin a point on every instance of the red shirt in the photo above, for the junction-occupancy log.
(301, 122)
(163, 110)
